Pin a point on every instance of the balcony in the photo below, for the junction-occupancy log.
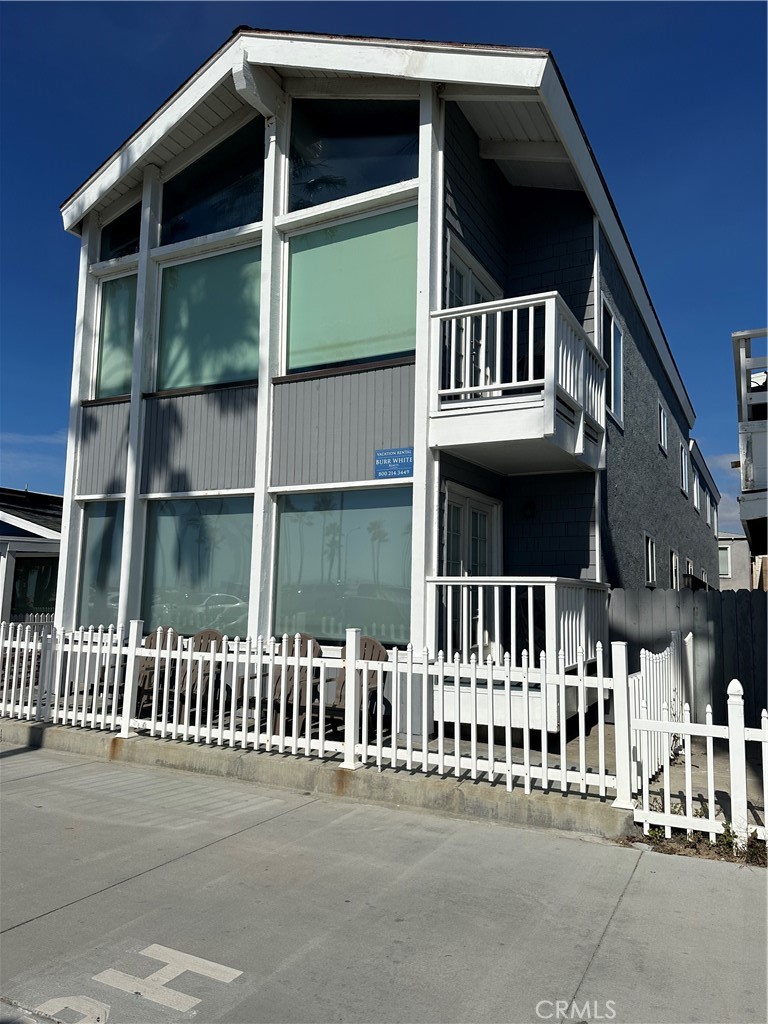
(750, 356)
(522, 387)
(515, 617)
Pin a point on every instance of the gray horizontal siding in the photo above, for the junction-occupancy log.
(200, 442)
(326, 430)
(103, 448)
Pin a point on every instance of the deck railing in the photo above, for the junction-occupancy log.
(532, 345)
(498, 615)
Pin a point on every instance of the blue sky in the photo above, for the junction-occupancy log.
(672, 97)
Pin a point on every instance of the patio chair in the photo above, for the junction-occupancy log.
(145, 681)
(370, 650)
(295, 684)
(201, 676)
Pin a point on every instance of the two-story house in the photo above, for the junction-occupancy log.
(361, 341)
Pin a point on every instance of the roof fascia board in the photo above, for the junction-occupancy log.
(432, 64)
(165, 120)
(25, 524)
(350, 88)
(584, 164)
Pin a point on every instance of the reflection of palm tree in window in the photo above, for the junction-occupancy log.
(324, 504)
(378, 536)
(332, 537)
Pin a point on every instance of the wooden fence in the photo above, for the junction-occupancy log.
(729, 640)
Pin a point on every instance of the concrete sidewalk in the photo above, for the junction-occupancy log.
(149, 896)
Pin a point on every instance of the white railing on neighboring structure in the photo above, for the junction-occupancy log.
(532, 345)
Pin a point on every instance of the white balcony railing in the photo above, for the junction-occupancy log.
(515, 349)
(498, 615)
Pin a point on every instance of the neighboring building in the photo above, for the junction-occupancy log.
(30, 534)
(357, 325)
(751, 367)
(735, 562)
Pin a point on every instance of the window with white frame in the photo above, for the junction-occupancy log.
(197, 561)
(120, 237)
(117, 312)
(704, 575)
(708, 506)
(688, 567)
(714, 518)
(100, 552)
(650, 560)
(223, 189)
(613, 353)
(344, 558)
(662, 428)
(724, 556)
(684, 457)
(696, 491)
(342, 148)
(209, 320)
(674, 570)
(352, 291)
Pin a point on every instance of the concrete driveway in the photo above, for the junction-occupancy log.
(135, 894)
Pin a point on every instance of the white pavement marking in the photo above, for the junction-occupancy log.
(154, 986)
(93, 1012)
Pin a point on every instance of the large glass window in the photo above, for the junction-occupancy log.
(34, 586)
(121, 236)
(197, 565)
(223, 189)
(341, 148)
(344, 559)
(118, 312)
(100, 564)
(352, 291)
(209, 320)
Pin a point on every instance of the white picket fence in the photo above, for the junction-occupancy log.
(489, 721)
(661, 682)
(693, 811)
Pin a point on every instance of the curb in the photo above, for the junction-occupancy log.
(458, 798)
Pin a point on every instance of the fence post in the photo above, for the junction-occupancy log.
(622, 726)
(351, 700)
(689, 674)
(47, 649)
(135, 631)
(737, 759)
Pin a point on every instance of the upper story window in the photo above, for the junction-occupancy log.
(650, 560)
(223, 189)
(209, 320)
(121, 236)
(613, 353)
(724, 555)
(696, 491)
(683, 469)
(714, 518)
(708, 507)
(662, 428)
(341, 148)
(116, 325)
(674, 570)
(352, 291)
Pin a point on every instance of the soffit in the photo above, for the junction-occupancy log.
(219, 106)
(525, 122)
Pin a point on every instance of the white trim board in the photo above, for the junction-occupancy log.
(25, 524)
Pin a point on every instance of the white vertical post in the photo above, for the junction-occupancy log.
(738, 763)
(351, 701)
(69, 555)
(689, 674)
(550, 365)
(131, 674)
(132, 554)
(428, 287)
(621, 728)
